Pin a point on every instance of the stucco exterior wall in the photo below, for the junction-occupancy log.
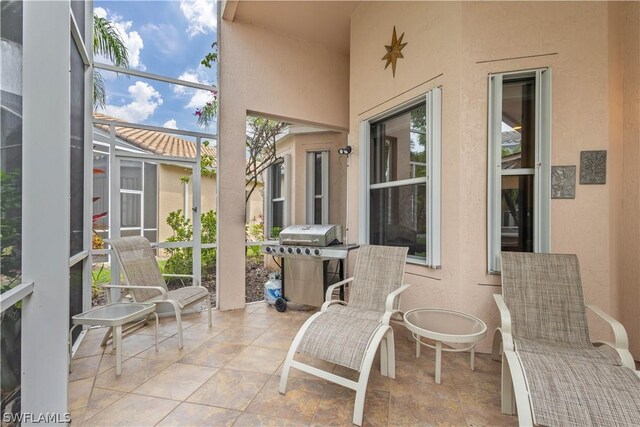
(313, 87)
(171, 195)
(456, 46)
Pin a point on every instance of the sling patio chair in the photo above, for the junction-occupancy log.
(551, 372)
(145, 281)
(350, 334)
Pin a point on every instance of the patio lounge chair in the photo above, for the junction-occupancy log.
(551, 372)
(144, 279)
(349, 334)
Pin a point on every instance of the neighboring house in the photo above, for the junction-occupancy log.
(149, 190)
(307, 185)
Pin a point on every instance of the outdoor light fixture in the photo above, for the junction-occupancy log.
(345, 151)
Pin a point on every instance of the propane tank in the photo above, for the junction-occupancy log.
(273, 288)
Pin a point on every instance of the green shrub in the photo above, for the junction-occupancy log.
(180, 259)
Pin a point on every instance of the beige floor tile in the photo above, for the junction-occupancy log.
(77, 416)
(177, 382)
(258, 320)
(135, 372)
(84, 367)
(133, 410)
(192, 414)
(95, 333)
(244, 335)
(134, 344)
(336, 407)
(213, 354)
(108, 361)
(229, 389)
(201, 332)
(424, 404)
(376, 380)
(168, 349)
(258, 359)
(303, 358)
(276, 338)
(256, 420)
(79, 392)
(89, 347)
(487, 415)
(167, 328)
(299, 403)
(100, 399)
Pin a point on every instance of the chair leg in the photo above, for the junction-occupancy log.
(361, 388)
(284, 376)
(497, 345)
(391, 354)
(508, 402)
(209, 309)
(384, 353)
(178, 311)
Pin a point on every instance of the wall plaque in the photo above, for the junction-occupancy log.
(593, 167)
(563, 182)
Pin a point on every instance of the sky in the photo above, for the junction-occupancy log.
(169, 38)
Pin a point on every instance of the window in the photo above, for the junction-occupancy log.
(276, 198)
(138, 199)
(318, 187)
(519, 163)
(401, 169)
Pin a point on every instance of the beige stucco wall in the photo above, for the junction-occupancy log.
(171, 195)
(456, 45)
(313, 87)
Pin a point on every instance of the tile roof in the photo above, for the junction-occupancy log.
(153, 141)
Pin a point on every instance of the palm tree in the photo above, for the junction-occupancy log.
(107, 42)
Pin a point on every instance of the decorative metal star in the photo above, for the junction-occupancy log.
(394, 51)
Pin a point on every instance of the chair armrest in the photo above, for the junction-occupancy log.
(391, 298)
(505, 315)
(619, 333)
(160, 289)
(330, 289)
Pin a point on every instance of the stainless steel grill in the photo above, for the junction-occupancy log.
(311, 235)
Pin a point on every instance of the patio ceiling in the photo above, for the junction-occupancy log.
(326, 23)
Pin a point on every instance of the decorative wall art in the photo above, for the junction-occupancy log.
(563, 182)
(394, 51)
(593, 167)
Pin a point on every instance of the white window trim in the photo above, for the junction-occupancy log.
(311, 196)
(541, 171)
(286, 192)
(433, 101)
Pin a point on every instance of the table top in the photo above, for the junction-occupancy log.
(445, 325)
(114, 314)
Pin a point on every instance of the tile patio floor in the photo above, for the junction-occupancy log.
(229, 374)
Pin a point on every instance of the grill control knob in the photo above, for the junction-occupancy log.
(290, 250)
(282, 250)
(298, 251)
(316, 251)
(268, 250)
(307, 251)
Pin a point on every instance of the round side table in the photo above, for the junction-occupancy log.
(442, 325)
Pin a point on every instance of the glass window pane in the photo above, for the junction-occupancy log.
(151, 196)
(317, 210)
(10, 199)
(130, 210)
(518, 123)
(517, 213)
(151, 235)
(100, 189)
(77, 150)
(277, 213)
(317, 179)
(75, 295)
(398, 146)
(398, 218)
(128, 233)
(130, 175)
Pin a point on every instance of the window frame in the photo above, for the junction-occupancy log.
(311, 195)
(285, 196)
(433, 111)
(542, 164)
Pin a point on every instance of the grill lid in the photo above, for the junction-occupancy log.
(311, 235)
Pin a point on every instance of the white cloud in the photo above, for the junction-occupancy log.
(100, 12)
(170, 124)
(131, 39)
(200, 14)
(145, 102)
(164, 37)
(198, 97)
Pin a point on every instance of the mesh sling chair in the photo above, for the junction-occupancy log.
(551, 372)
(349, 334)
(144, 279)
